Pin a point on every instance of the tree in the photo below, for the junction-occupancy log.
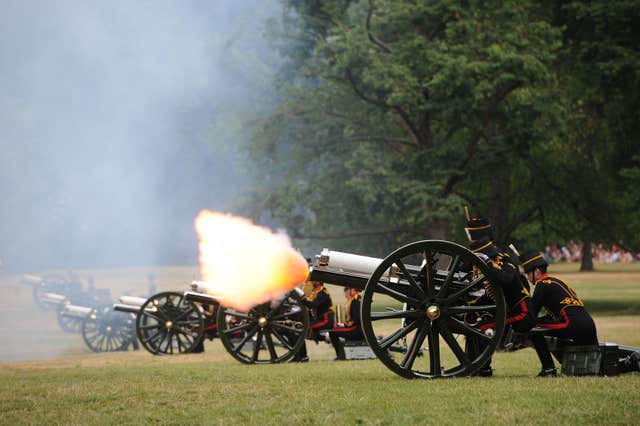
(400, 112)
(582, 192)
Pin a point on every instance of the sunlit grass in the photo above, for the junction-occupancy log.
(79, 387)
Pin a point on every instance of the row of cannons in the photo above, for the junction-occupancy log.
(87, 311)
(418, 312)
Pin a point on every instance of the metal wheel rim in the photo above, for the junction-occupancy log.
(107, 331)
(417, 323)
(68, 324)
(284, 327)
(167, 323)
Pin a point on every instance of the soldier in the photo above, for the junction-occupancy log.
(517, 298)
(351, 328)
(567, 317)
(320, 307)
(479, 227)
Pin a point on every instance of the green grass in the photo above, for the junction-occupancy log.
(70, 385)
(213, 389)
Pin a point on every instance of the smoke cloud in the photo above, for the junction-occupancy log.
(113, 136)
(105, 115)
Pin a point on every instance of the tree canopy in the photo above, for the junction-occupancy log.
(393, 115)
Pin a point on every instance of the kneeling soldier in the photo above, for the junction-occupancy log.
(320, 307)
(567, 317)
(351, 329)
(505, 273)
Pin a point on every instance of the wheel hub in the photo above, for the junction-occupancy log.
(168, 325)
(262, 322)
(433, 312)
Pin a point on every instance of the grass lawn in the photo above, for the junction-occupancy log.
(49, 377)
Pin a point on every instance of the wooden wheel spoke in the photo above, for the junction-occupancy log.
(165, 337)
(282, 340)
(453, 344)
(244, 339)
(295, 310)
(462, 328)
(285, 328)
(152, 338)
(185, 332)
(185, 313)
(237, 328)
(414, 347)
(381, 288)
(428, 274)
(447, 282)
(270, 346)
(386, 342)
(471, 309)
(409, 278)
(413, 314)
(434, 350)
(452, 297)
(257, 345)
(159, 318)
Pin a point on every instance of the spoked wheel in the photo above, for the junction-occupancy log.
(269, 333)
(169, 324)
(105, 330)
(68, 324)
(427, 302)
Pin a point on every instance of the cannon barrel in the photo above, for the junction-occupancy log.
(201, 298)
(122, 307)
(352, 270)
(132, 300)
(31, 279)
(53, 298)
(75, 311)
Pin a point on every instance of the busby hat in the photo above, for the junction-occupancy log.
(485, 246)
(531, 260)
(478, 227)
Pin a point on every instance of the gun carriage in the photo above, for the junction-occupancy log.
(420, 299)
(83, 311)
(167, 322)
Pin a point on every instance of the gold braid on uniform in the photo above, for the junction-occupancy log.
(488, 289)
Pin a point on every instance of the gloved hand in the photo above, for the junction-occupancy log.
(484, 258)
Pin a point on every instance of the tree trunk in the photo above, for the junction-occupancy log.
(586, 263)
(501, 203)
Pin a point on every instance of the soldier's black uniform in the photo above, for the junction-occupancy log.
(514, 286)
(352, 329)
(320, 307)
(567, 317)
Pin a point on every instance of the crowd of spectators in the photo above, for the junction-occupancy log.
(572, 252)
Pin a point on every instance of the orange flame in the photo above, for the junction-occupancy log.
(244, 263)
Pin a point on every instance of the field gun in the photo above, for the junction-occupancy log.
(419, 312)
(166, 323)
(44, 286)
(422, 298)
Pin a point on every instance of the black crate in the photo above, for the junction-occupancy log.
(591, 360)
(581, 361)
(609, 365)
